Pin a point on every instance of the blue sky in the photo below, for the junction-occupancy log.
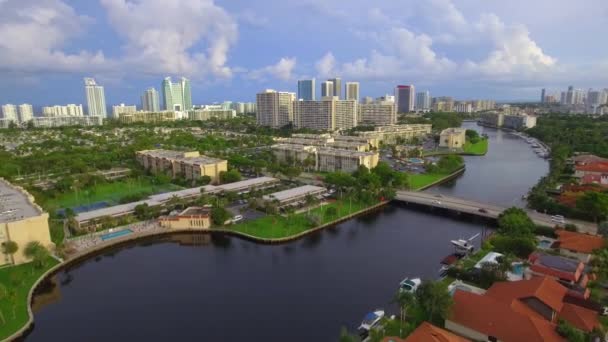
(231, 49)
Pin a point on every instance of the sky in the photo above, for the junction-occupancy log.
(232, 49)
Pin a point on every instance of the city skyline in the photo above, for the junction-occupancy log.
(487, 50)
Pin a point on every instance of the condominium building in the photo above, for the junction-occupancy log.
(194, 218)
(452, 138)
(325, 140)
(329, 114)
(274, 109)
(378, 113)
(190, 165)
(150, 100)
(483, 105)
(423, 101)
(392, 134)
(405, 98)
(443, 104)
(177, 96)
(306, 90)
(61, 121)
(147, 117)
(67, 110)
(326, 159)
(463, 107)
(26, 112)
(122, 109)
(21, 221)
(519, 121)
(337, 85)
(327, 89)
(9, 112)
(351, 91)
(96, 99)
(211, 112)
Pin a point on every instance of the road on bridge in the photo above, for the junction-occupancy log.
(482, 209)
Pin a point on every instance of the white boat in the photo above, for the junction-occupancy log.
(409, 285)
(464, 246)
(370, 320)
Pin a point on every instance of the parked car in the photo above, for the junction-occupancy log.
(482, 210)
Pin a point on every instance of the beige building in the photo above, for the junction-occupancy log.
(211, 112)
(123, 109)
(61, 121)
(147, 117)
(325, 141)
(21, 221)
(329, 114)
(390, 134)
(452, 138)
(274, 109)
(378, 113)
(190, 165)
(325, 158)
(191, 218)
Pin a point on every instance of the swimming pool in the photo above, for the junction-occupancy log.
(416, 160)
(518, 268)
(116, 234)
(545, 244)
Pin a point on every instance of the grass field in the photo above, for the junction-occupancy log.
(18, 280)
(418, 181)
(276, 226)
(112, 192)
(480, 148)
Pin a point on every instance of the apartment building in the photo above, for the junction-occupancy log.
(274, 109)
(331, 142)
(329, 114)
(390, 134)
(147, 117)
(378, 113)
(190, 165)
(211, 112)
(326, 159)
(21, 221)
(60, 121)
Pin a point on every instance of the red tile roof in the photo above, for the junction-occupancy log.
(593, 167)
(578, 242)
(427, 332)
(536, 259)
(580, 317)
(491, 317)
(545, 289)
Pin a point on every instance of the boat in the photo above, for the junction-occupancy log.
(464, 246)
(409, 285)
(370, 320)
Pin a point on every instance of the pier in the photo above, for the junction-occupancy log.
(484, 210)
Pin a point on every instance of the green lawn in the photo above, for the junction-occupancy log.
(57, 232)
(276, 226)
(14, 308)
(418, 181)
(110, 192)
(479, 148)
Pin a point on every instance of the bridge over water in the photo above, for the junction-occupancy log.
(481, 209)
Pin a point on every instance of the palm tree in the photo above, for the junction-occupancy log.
(10, 247)
(37, 252)
(405, 300)
(3, 295)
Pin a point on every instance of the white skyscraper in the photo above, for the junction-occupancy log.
(150, 100)
(96, 99)
(26, 112)
(177, 95)
(352, 91)
(9, 112)
(423, 101)
(327, 89)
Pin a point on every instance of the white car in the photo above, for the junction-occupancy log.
(437, 202)
(237, 218)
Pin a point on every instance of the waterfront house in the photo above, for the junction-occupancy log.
(426, 332)
(452, 138)
(578, 245)
(191, 218)
(567, 271)
(526, 310)
(590, 169)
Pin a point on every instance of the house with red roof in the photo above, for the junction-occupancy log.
(568, 271)
(578, 245)
(592, 171)
(427, 332)
(526, 310)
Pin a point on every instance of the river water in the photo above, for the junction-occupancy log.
(217, 288)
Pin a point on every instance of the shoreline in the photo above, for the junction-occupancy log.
(446, 178)
(82, 256)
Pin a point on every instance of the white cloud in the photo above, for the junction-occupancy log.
(33, 34)
(282, 70)
(161, 36)
(325, 66)
(253, 19)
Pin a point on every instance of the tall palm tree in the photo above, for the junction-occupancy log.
(10, 247)
(405, 301)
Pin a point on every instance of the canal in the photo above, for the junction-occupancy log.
(217, 288)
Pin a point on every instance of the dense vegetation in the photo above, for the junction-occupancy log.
(566, 134)
(439, 120)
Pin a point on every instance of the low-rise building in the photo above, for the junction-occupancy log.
(191, 218)
(21, 221)
(566, 270)
(526, 310)
(295, 195)
(122, 109)
(61, 121)
(578, 245)
(391, 134)
(452, 138)
(324, 158)
(190, 165)
(147, 117)
(211, 112)
(326, 142)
